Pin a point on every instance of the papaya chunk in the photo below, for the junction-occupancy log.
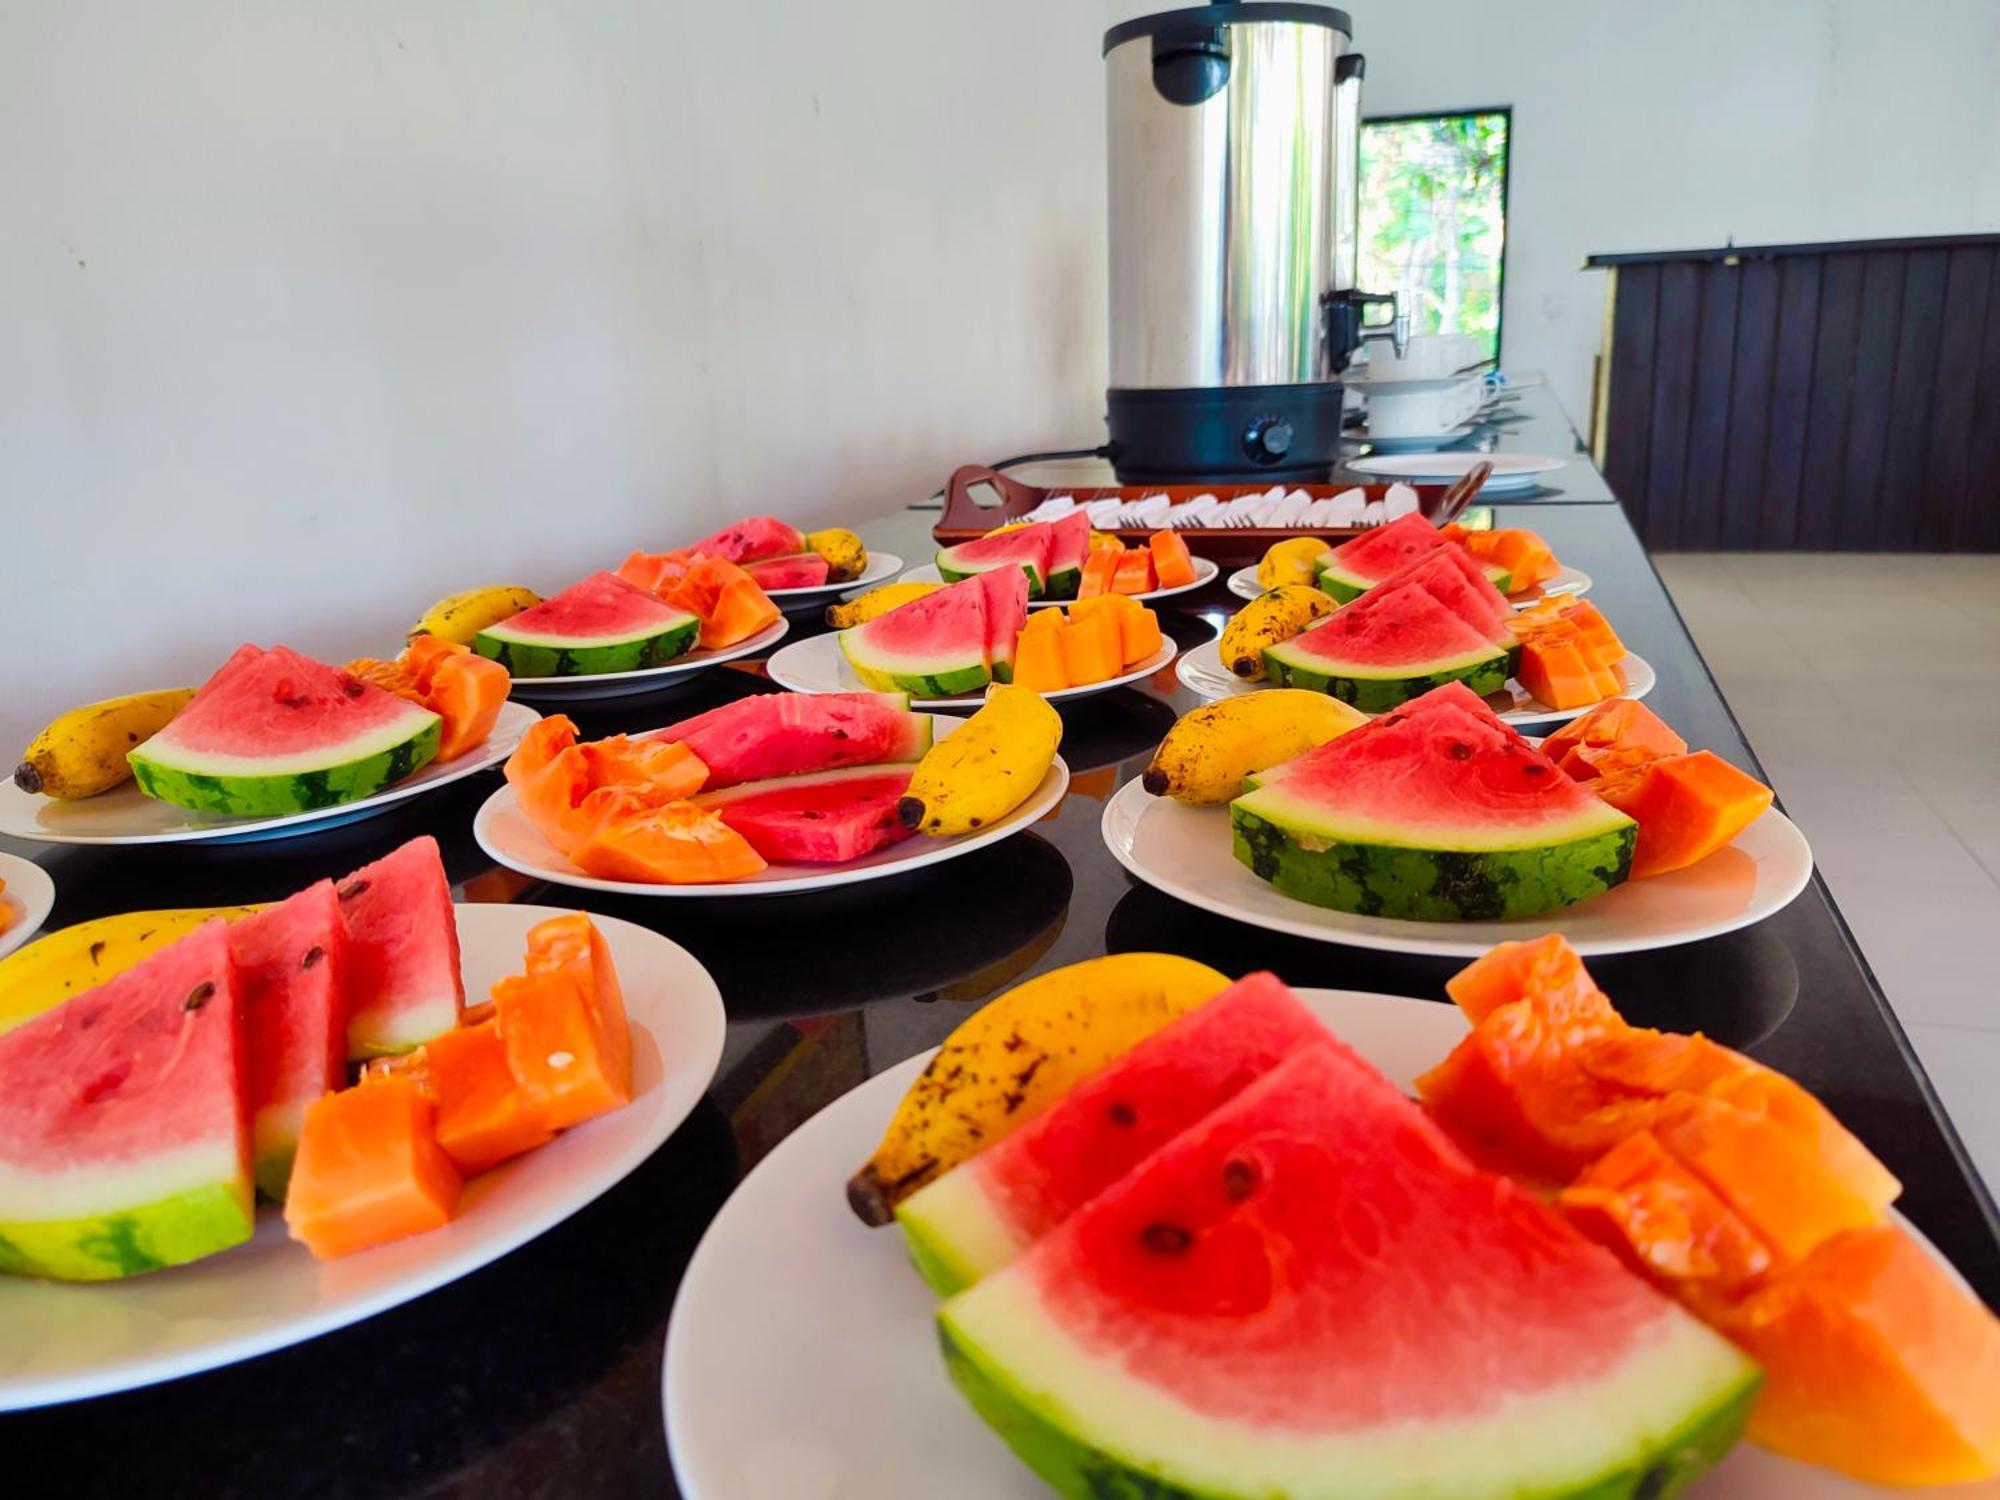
(1555, 671)
(564, 1028)
(676, 844)
(655, 572)
(483, 1115)
(1173, 566)
(1876, 1363)
(1544, 969)
(1038, 663)
(1134, 573)
(1138, 627)
(1099, 571)
(369, 1170)
(1686, 806)
(467, 692)
(729, 601)
(1092, 648)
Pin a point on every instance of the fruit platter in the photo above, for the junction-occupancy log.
(272, 745)
(1437, 828)
(774, 794)
(1518, 562)
(1399, 611)
(27, 896)
(1066, 559)
(944, 643)
(795, 568)
(317, 1055)
(1158, 1232)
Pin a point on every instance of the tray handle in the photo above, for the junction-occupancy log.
(963, 511)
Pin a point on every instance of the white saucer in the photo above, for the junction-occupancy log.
(882, 566)
(25, 903)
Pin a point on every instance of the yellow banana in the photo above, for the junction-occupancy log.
(1014, 1057)
(1294, 560)
(460, 617)
(846, 555)
(876, 602)
(1267, 620)
(82, 752)
(59, 965)
(1104, 541)
(976, 776)
(1209, 751)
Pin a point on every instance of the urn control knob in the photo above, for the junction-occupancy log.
(1268, 439)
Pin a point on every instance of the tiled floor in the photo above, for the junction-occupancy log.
(1870, 688)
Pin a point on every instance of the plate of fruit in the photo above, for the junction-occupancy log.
(1438, 829)
(1065, 560)
(1160, 1233)
(1518, 562)
(274, 744)
(945, 645)
(793, 567)
(146, 1111)
(774, 794)
(27, 896)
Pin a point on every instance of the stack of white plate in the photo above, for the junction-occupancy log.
(1513, 473)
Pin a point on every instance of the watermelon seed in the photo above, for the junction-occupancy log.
(313, 955)
(96, 952)
(1165, 1239)
(1121, 1113)
(1534, 770)
(1459, 750)
(199, 996)
(1239, 1180)
(348, 893)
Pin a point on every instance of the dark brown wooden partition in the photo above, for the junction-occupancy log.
(1836, 397)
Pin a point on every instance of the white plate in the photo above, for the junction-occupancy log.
(1432, 442)
(761, 1388)
(1571, 581)
(126, 815)
(1184, 851)
(506, 833)
(882, 566)
(68, 1341)
(646, 679)
(817, 666)
(1201, 671)
(1510, 470)
(26, 902)
(1205, 569)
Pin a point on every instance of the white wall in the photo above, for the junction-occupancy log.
(311, 311)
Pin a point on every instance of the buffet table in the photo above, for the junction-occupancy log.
(541, 1373)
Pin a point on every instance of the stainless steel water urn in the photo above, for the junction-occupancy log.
(1235, 195)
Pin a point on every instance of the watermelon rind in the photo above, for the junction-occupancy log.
(250, 786)
(1374, 689)
(1347, 587)
(1091, 1431)
(168, 1231)
(1317, 855)
(921, 677)
(956, 568)
(536, 654)
(952, 1233)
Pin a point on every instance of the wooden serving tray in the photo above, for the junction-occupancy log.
(966, 517)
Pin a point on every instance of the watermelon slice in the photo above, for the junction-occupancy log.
(804, 570)
(934, 647)
(791, 734)
(1312, 1293)
(1069, 549)
(1006, 596)
(402, 950)
(824, 819)
(274, 732)
(602, 624)
(1450, 576)
(1390, 645)
(752, 540)
(981, 1215)
(122, 1147)
(291, 963)
(1354, 567)
(1438, 814)
(1030, 548)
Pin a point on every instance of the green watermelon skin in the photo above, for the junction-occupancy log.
(1081, 1472)
(524, 658)
(955, 570)
(1432, 885)
(293, 792)
(1374, 695)
(147, 1237)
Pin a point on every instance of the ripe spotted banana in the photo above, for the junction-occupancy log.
(1209, 751)
(973, 778)
(61, 964)
(1015, 1057)
(877, 602)
(82, 752)
(845, 553)
(1294, 560)
(1267, 620)
(460, 617)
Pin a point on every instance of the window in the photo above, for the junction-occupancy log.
(1434, 218)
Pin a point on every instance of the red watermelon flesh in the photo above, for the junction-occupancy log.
(1384, 550)
(1313, 1292)
(291, 961)
(122, 1140)
(403, 951)
(824, 819)
(977, 1218)
(1029, 548)
(792, 734)
(806, 570)
(934, 647)
(1450, 576)
(1393, 628)
(602, 606)
(276, 703)
(752, 540)
(1069, 549)
(1005, 592)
